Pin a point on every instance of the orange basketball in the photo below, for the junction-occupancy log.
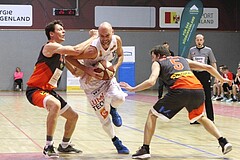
(105, 68)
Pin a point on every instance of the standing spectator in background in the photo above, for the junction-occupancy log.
(236, 85)
(160, 82)
(166, 45)
(204, 54)
(18, 79)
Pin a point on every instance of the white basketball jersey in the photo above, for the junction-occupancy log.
(102, 55)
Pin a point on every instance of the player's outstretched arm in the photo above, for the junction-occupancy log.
(81, 47)
(56, 48)
(147, 83)
(87, 70)
(200, 66)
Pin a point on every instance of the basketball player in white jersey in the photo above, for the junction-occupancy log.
(104, 95)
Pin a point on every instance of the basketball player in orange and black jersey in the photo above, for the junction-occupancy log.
(40, 91)
(183, 87)
(44, 76)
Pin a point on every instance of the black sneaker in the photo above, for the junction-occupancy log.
(219, 98)
(196, 122)
(225, 145)
(69, 149)
(234, 100)
(142, 153)
(49, 152)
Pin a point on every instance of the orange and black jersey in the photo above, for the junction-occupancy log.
(47, 71)
(176, 73)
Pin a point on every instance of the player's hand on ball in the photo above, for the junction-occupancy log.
(90, 71)
(78, 72)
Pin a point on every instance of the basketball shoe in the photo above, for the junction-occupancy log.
(68, 149)
(49, 152)
(225, 145)
(120, 147)
(116, 118)
(142, 153)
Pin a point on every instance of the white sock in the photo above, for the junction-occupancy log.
(108, 128)
(65, 144)
(49, 143)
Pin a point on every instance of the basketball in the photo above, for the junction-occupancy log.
(105, 68)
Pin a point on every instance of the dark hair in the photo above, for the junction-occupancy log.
(222, 65)
(18, 68)
(166, 43)
(224, 68)
(160, 50)
(51, 27)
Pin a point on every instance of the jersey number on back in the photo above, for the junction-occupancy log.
(176, 64)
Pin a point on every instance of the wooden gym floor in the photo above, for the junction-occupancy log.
(22, 130)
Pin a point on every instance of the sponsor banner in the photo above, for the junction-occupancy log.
(190, 18)
(170, 17)
(16, 15)
(209, 18)
(73, 84)
(129, 53)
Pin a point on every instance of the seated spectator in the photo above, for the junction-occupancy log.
(217, 90)
(227, 89)
(236, 86)
(217, 87)
(18, 79)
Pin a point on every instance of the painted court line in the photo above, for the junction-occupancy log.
(160, 137)
(18, 128)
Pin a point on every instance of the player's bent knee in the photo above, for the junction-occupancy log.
(53, 104)
(53, 107)
(118, 100)
(70, 115)
(75, 116)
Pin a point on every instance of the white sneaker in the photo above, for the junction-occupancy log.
(224, 99)
(213, 97)
(217, 98)
(229, 100)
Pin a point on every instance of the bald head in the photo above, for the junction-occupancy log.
(199, 40)
(105, 32)
(105, 26)
(199, 36)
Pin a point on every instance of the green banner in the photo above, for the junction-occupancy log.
(190, 18)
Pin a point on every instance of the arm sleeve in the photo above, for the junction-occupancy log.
(189, 54)
(212, 58)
